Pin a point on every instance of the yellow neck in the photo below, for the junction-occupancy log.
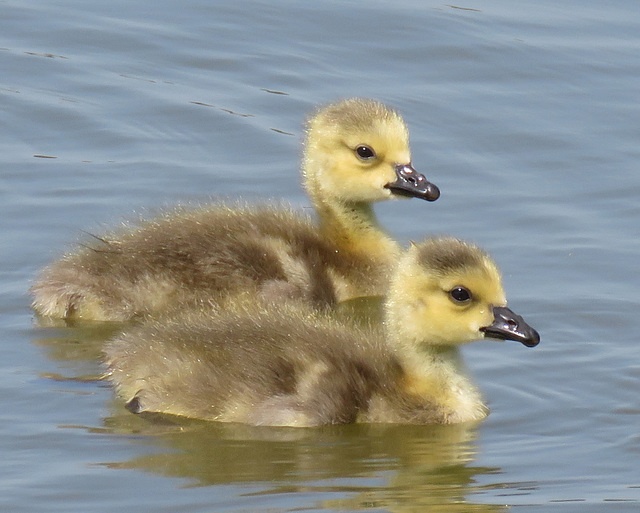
(353, 227)
(431, 370)
(435, 375)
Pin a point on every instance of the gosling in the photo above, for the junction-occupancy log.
(291, 366)
(356, 152)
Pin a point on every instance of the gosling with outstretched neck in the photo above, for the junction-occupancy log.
(357, 152)
(285, 365)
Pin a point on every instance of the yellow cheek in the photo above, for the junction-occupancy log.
(485, 317)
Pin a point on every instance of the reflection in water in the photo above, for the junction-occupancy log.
(76, 341)
(388, 467)
(78, 344)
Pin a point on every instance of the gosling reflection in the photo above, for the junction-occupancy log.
(77, 345)
(395, 467)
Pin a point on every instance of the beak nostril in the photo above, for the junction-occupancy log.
(411, 175)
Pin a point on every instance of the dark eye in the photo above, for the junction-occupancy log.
(364, 152)
(460, 295)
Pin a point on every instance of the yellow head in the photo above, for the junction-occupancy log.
(357, 150)
(449, 292)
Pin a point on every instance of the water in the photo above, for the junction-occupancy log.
(525, 115)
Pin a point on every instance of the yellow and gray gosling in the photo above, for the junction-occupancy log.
(288, 365)
(356, 152)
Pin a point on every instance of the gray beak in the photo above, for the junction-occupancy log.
(412, 184)
(508, 325)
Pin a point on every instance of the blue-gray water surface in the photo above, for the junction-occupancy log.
(525, 114)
